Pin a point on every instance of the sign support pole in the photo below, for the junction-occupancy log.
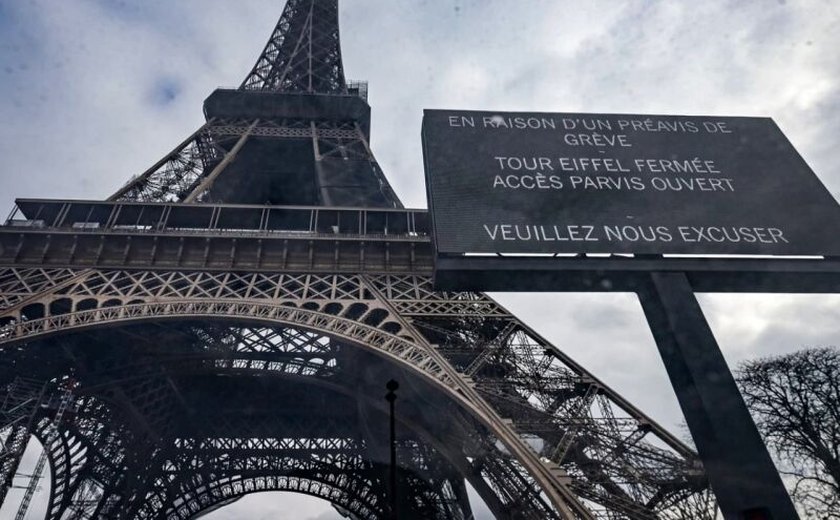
(743, 477)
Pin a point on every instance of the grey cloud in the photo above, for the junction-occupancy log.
(750, 326)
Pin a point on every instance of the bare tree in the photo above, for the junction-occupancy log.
(698, 506)
(795, 401)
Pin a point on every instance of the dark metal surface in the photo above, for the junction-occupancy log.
(740, 469)
(628, 274)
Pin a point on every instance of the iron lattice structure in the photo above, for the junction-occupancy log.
(227, 321)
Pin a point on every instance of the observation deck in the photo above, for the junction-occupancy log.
(124, 234)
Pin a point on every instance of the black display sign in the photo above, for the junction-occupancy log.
(604, 183)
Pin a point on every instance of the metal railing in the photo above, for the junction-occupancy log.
(219, 219)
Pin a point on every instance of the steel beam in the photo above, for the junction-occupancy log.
(745, 481)
(629, 274)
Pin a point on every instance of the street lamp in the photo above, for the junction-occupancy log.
(391, 397)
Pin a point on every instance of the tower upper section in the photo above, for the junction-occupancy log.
(293, 133)
(303, 54)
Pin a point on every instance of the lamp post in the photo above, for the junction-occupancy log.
(392, 386)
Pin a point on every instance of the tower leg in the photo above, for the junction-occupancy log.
(19, 404)
(460, 487)
(742, 475)
(14, 445)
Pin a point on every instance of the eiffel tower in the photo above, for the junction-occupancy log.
(225, 324)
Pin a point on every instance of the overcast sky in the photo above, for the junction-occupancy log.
(94, 91)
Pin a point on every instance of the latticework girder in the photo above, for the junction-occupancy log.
(303, 53)
(609, 454)
(293, 439)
